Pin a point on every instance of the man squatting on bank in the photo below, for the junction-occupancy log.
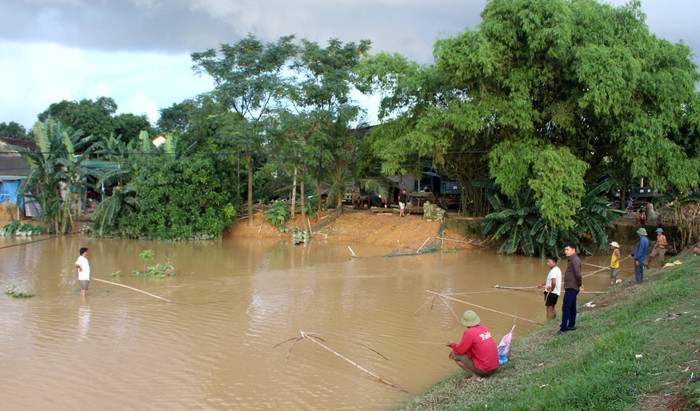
(476, 353)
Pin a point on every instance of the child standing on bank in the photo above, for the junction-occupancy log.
(83, 270)
(614, 262)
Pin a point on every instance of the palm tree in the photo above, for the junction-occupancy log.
(520, 222)
(56, 166)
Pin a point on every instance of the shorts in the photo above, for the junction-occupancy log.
(550, 299)
(402, 205)
(84, 284)
(613, 272)
(464, 359)
(661, 252)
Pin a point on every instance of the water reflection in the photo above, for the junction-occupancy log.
(83, 319)
(235, 299)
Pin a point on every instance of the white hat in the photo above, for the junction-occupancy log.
(615, 244)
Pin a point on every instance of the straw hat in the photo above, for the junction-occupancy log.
(470, 319)
(659, 230)
(615, 244)
(642, 231)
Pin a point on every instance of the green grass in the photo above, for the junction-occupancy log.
(597, 366)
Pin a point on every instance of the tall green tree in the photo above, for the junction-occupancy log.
(557, 91)
(248, 81)
(13, 130)
(328, 76)
(94, 118)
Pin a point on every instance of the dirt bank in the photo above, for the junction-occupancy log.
(360, 227)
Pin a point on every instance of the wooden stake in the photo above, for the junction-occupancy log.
(514, 288)
(483, 308)
(132, 288)
(421, 247)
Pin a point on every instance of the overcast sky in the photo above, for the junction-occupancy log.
(138, 51)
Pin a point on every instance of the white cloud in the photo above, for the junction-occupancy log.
(36, 75)
(46, 73)
(139, 103)
(98, 90)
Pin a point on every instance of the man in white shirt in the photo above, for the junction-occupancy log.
(83, 271)
(552, 287)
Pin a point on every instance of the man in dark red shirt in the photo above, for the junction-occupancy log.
(476, 353)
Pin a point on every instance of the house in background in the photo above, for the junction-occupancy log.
(13, 169)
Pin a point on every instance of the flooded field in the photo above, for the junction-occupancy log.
(235, 299)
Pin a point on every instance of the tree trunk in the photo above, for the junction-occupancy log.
(249, 159)
(318, 186)
(302, 201)
(294, 194)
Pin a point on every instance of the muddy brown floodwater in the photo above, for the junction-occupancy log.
(234, 300)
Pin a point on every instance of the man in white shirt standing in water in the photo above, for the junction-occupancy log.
(552, 287)
(83, 271)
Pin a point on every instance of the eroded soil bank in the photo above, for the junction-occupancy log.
(360, 227)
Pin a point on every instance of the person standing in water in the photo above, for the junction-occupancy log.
(83, 266)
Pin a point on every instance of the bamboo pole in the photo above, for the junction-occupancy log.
(421, 247)
(601, 267)
(482, 307)
(132, 288)
(380, 379)
(515, 288)
(480, 244)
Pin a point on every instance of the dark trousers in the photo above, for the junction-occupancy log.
(568, 309)
(639, 271)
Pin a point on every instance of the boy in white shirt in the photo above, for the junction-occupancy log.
(83, 271)
(552, 287)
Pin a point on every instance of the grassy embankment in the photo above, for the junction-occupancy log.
(637, 349)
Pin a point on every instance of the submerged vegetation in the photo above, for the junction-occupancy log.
(16, 292)
(636, 349)
(160, 270)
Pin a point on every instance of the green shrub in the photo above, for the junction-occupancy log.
(180, 199)
(278, 215)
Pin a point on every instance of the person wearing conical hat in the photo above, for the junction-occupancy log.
(640, 255)
(659, 248)
(476, 353)
(614, 262)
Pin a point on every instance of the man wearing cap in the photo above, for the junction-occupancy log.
(659, 248)
(640, 254)
(476, 353)
(614, 262)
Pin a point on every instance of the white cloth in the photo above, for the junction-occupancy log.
(83, 274)
(556, 274)
(402, 205)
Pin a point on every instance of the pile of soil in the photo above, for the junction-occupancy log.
(361, 227)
